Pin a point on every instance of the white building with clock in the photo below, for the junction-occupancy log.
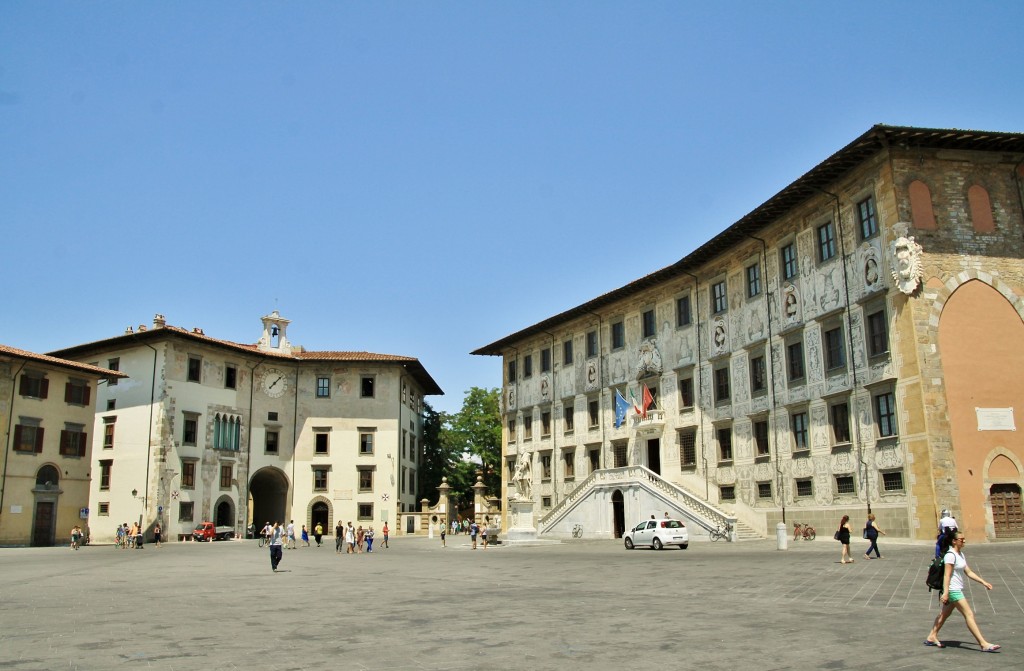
(205, 429)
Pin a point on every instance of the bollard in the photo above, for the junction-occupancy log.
(781, 536)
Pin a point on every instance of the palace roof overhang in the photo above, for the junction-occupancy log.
(410, 364)
(83, 368)
(811, 184)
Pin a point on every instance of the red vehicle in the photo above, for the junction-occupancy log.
(207, 531)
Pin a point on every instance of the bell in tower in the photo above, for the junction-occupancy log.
(274, 338)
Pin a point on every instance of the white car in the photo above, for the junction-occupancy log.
(658, 534)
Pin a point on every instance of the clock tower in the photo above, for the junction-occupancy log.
(274, 338)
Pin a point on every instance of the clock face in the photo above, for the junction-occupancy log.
(274, 383)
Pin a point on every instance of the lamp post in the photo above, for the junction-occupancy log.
(135, 495)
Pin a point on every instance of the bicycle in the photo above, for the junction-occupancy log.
(720, 532)
(263, 540)
(577, 531)
(804, 531)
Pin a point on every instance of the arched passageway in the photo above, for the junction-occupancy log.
(268, 494)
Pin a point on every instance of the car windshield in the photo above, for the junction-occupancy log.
(672, 524)
(199, 527)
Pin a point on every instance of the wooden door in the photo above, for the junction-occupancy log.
(1007, 511)
(42, 529)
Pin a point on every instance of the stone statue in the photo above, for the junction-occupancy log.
(523, 477)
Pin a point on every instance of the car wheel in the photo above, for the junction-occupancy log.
(656, 544)
(629, 544)
(683, 546)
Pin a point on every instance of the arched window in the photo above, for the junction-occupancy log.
(48, 477)
(217, 433)
(981, 209)
(921, 212)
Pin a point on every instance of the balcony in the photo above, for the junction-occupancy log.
(651, 425)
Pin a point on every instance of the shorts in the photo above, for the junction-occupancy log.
(955, 595)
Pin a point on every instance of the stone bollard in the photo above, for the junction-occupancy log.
(781, 536)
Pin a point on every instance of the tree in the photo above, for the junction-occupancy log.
(476, 430)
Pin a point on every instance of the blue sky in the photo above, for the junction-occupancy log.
(424, 178)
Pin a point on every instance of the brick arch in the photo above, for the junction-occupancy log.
(330, 513)
(942, 294)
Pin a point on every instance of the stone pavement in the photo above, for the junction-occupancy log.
(418, 606)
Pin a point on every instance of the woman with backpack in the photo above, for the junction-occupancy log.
(956, 569)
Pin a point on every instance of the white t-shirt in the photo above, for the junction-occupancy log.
(959, 562)
(946, 523)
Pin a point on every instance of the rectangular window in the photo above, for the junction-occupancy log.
(366, 442)
(569, 460)
(527, 427)
(366, 383)
(685, 393)
(185, 509)
(323, 386)
(619, 454)
(798, 424)
(270, 445)
(512, 430)
(595, 459)
(826, 241)
(319, 479)
(545, 466)
(108, 433)
(33, 386)
(76, 392)
(764, 491)
(648, 325)
(878, 333)
(545, 502)
(545, 360)
(226, 475)
(591, 344)
(722, 384)
(366, 511)
(804, 487)
(835, 350)
(111, 404)
(73, 441)
(321, 442)
(683, 316)
(839, 415)
(113, 364)
(568, 415)
(618, 335)
(885, 414)
(867, 219)
(271, 416)
(795, 361)
(687, 447)
(758, 375)
(724, 443)
(727, 492)
(789, 264)
(188, 474)
(28, 436)
(753, 280)
(892, 481)
(545, 423)
(527, 366)
(106, 466)
(190, 429)
(512, 370)
(230, 376)
(104, 509)
(366, 479)
(567, 353)
(195, 369)
(719, 299)
(593, 412)
(845, 484)
(761, 438)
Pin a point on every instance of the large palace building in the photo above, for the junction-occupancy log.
(242, 434)
(852, 345)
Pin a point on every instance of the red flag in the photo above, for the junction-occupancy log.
(648, 401)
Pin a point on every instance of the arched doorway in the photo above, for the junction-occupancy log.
(224, 513)
(44, 517)
(320, 513)
(618, 514)
(1007, 511)
(268, 497)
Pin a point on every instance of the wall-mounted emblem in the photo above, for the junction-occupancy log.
(907, 270)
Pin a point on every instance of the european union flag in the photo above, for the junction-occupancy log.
(621, 408)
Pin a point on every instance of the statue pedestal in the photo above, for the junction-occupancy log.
(521, 518)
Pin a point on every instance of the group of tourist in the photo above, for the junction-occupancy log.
(131, 537)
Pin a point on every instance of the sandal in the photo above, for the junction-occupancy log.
(934, 644)
(991, 648)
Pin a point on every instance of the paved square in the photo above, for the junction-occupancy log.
(576, 605)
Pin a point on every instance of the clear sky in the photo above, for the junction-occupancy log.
(424, 178)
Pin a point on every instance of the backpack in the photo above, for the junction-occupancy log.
(936, 574)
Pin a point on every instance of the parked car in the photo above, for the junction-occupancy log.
(657, 534)
(206, 531)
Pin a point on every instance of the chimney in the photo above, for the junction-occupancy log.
(158, 321)
(142, 327)
(128, 330)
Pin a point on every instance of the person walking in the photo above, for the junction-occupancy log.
(369, 539)
(947, 526)
(385, 531)
(350, 539)
(305, 536)
(318, 534)
(871, 531)
(76, 535)
(474, 529)
(956, 569)
(339, 537)
(483, 534)
(360, 537)
(276, 540)
(843, 536)
(444, 531)
(157, 534)
(291, 534)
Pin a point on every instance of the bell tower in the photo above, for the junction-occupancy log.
(274, 338)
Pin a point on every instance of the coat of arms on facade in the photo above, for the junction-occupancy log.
(871, 267)
(510, 398)
(719, 336)
(907, 270)
(649, 360)
(790, 304)
(545, 387)
(592, 376)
